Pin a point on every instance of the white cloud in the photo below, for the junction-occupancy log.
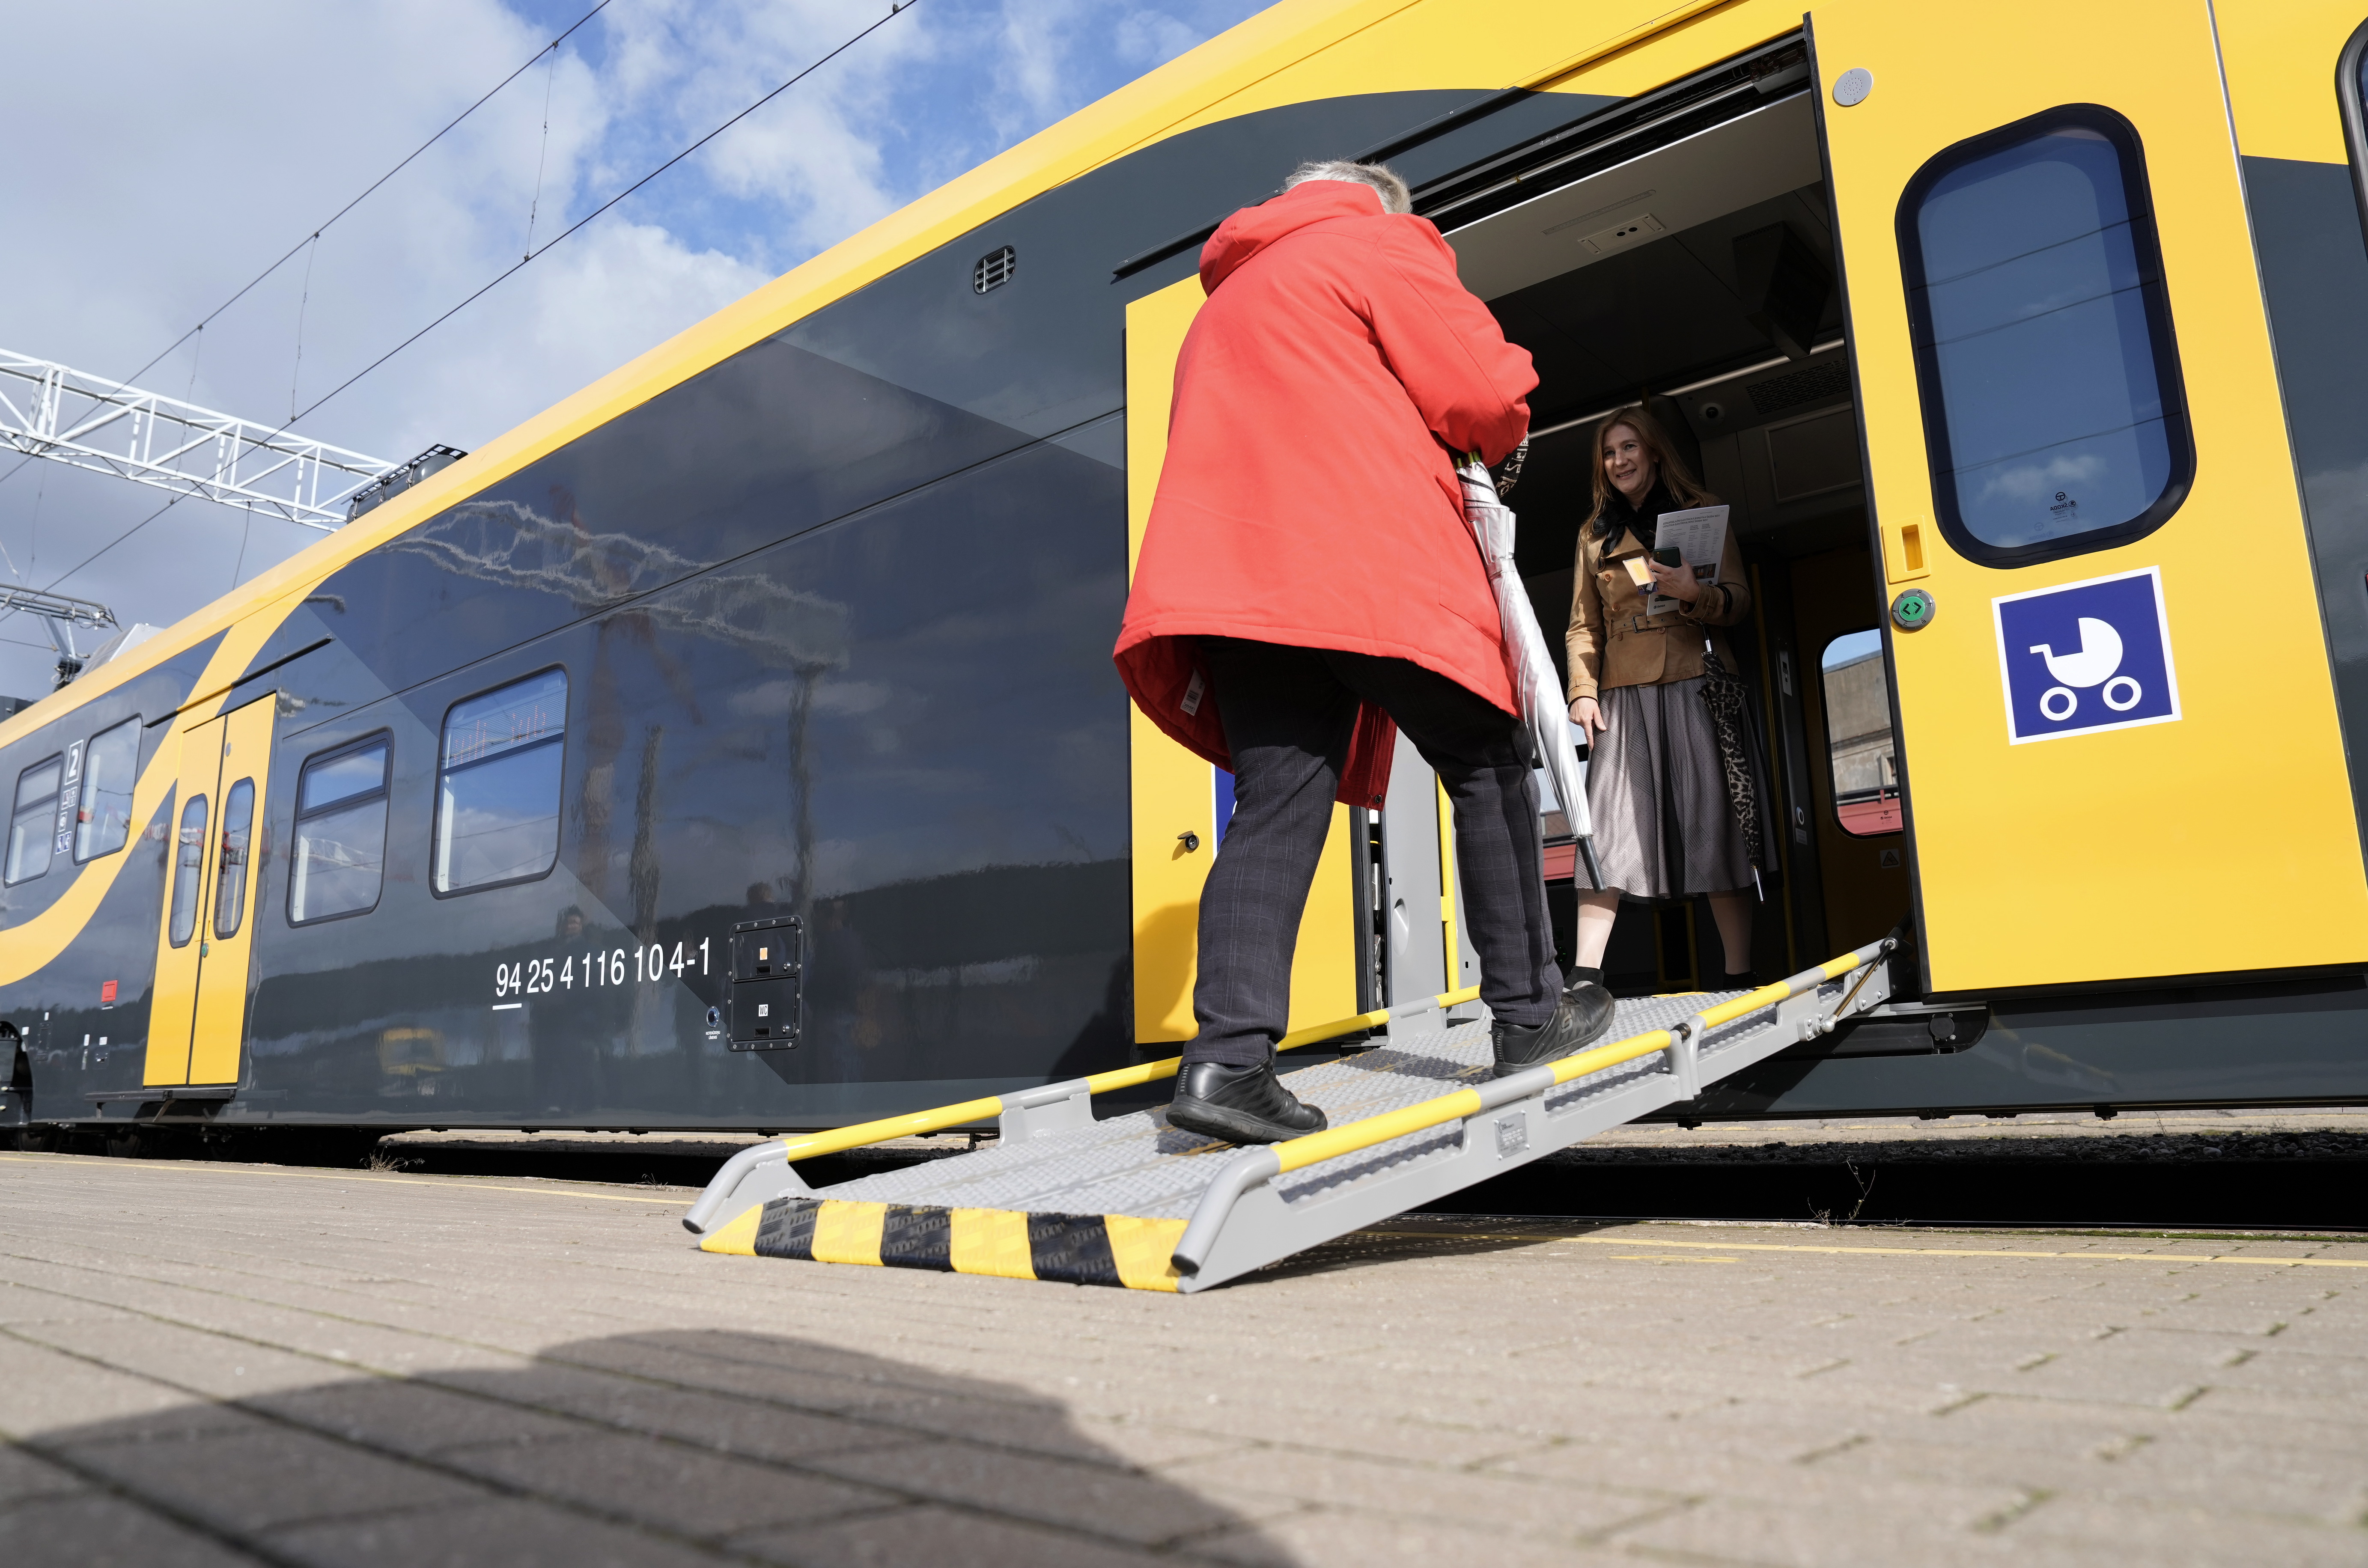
(181, 156)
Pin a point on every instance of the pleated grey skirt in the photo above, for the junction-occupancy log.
(1664, 828)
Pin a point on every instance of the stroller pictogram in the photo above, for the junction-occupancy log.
(2099, 655)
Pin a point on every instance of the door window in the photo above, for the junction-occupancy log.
(103, 815)
(497, 785)
(188, 869)
(340, 857)
(2052, 412)
(230, 882)
(29, 841)
(1859, 746)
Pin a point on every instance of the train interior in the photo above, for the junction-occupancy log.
(1701, 277)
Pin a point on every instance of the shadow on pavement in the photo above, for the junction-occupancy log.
(655, 1448)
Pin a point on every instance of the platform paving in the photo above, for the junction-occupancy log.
(212, 1363)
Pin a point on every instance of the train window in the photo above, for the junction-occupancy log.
(497, 785)
(2053, 411)
(229, 880)
(2352, 91)
(188, 869)
(340, 858)
(30, 839)
(1858, 735)
(103, 816)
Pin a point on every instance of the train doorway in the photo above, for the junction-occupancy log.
(205, 936)
(1701, 278)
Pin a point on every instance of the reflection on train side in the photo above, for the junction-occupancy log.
(903, 727)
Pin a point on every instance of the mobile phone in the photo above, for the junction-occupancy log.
(1668, 556)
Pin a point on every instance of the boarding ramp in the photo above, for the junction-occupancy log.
(1133, 1201)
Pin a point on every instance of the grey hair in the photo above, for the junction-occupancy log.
(1381, 177)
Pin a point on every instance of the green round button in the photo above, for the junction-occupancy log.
(1913, 610)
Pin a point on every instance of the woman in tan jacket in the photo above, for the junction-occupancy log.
(1663, 825)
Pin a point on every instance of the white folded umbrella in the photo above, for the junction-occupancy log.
(1527, 660)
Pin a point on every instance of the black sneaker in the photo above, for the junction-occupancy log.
(1580, 1022)
(1240, 1105)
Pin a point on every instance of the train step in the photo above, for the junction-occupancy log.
(1133, 1201)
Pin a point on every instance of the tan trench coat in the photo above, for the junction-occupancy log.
(1613, 643)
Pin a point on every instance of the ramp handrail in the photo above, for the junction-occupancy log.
(1253, 1166)
(912, 1124)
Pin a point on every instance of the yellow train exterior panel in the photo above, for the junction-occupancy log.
(2225, 841)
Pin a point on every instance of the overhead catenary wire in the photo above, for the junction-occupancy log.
(542, 158)
(303, 302)
(896, 9)
(313, 237)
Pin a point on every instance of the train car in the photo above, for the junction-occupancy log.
(737, 745)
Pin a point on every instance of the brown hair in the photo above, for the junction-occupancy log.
(1683, 485)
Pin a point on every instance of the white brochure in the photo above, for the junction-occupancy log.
(1699, 537)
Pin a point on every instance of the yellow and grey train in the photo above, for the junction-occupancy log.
(736, 743)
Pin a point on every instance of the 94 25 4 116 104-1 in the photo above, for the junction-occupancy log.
(599, 968)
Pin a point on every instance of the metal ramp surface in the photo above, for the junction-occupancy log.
(1133, 1201)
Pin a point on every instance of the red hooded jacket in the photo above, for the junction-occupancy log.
(1309, 496)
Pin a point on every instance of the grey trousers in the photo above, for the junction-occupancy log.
(1288, 713)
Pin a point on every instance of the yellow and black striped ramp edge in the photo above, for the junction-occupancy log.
(1073, 1249)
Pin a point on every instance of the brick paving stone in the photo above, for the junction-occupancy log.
(24, 1476)
(2152, 1533)
(1131, 1508)
(44, 1390)
(1360, 1426)
(1322, 1539)
(672, 1486)
(205, 1365)
(930, 1533)
(249, 1480)
(747, 1426)
(1563, 1508)
(1674, 1471)
(404, 1416)
(1728, 1530)
(508, 1534)
(93, 1530)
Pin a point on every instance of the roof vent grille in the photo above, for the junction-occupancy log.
(993, 271)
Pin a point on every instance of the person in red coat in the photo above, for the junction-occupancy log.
(1307, 585)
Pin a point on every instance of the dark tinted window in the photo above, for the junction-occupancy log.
(230, 881)
(188, 869)
(2051, 393)
(29, 822)
(340, 858)
(103, 814)
(497, 800)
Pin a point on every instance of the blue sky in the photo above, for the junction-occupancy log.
(218, 148)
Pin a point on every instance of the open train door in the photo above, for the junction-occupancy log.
(196, 1022)
(2113, 698)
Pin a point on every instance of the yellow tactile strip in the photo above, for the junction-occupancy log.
(1075, 1249)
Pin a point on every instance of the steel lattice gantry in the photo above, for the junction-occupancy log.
(50, 410)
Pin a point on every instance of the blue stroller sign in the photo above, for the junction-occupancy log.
(2086, 656)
